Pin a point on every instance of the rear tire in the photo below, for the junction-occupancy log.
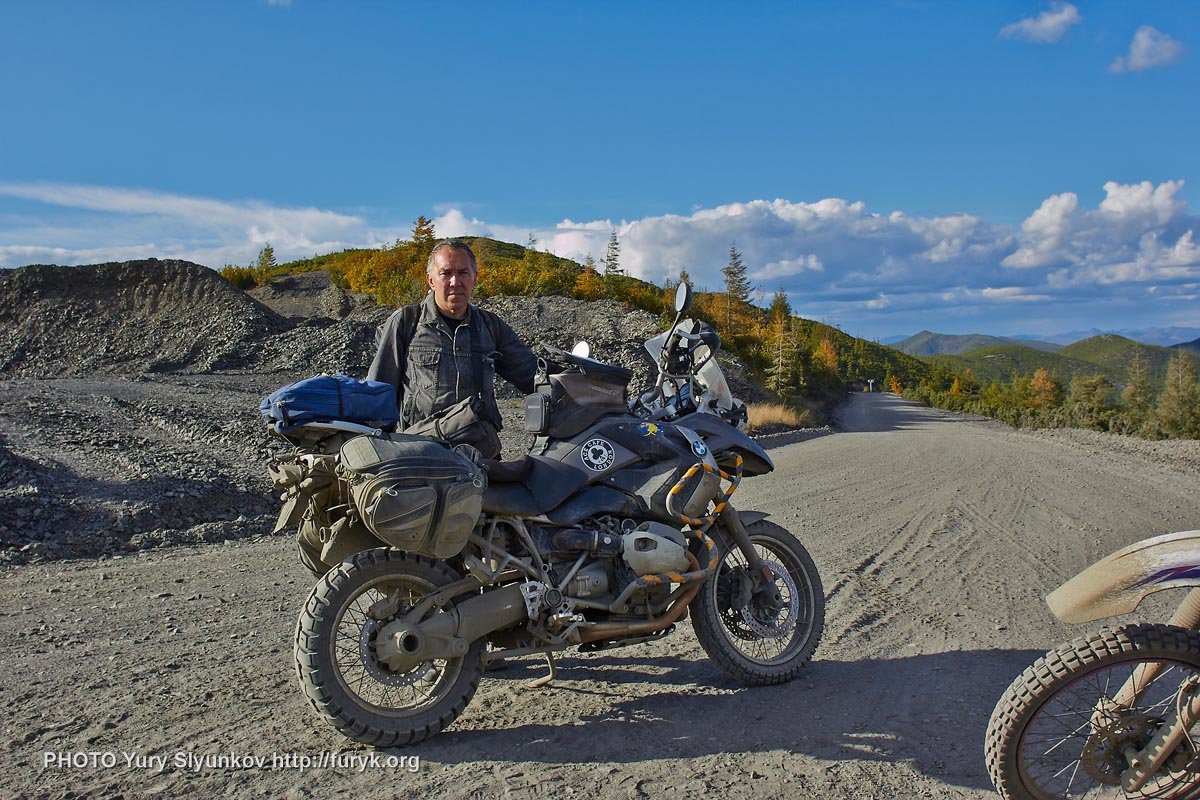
(352, 689)
(753, 641)
(1043, 741)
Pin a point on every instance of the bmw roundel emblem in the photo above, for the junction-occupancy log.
(597, 454)
(699, 449)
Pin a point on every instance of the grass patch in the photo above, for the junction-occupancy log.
(766, 415)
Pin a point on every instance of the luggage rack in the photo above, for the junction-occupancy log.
(344, 427)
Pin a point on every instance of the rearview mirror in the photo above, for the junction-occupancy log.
(683, 299)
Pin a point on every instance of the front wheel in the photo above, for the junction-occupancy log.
(1063, 727)
(336, 661)
(756, 631)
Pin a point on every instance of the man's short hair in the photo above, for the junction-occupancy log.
(450, 244)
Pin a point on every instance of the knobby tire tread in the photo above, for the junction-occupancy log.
(1042, 680)
(708, 626)
(312, 670)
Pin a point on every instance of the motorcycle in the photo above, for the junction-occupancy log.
(613, 529)
(1110, 714)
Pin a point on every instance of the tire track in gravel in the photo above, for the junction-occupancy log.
(935, 536)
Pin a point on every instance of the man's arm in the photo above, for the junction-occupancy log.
(391, 351)
(515, 362)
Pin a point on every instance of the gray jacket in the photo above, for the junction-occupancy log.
(434, 370)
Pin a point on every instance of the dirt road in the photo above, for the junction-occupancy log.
(936, 536)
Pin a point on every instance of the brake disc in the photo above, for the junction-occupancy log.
(370, 661)
(775, 628)
(1103, 757)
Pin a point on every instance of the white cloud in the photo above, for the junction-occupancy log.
(1150, 48)
(126, 223)
(1012, 294)
(836, 259)
(788, 267)
(1048, 27)
(1139, 232)
(1044, 232)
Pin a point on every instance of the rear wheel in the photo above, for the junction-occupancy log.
(339, 670)
(761, 632)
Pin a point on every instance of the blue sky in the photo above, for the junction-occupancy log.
(1009, 167)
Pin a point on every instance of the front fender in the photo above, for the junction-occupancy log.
(1118, 583)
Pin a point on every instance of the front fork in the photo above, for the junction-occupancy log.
(764, 588)
(1144, 763)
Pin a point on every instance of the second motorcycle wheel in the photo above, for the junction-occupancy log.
(761, 633)
(1067, 724)
(338, 668)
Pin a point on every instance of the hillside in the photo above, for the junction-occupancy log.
(1193, 346)
(1107, 354)
(1113, 356)
(783, 357)
(927, 343)
(1004, 362)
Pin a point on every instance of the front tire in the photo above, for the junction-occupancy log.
(1052, 735)
(347, 684)
(761, 639)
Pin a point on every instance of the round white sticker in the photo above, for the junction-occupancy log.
(597, 454)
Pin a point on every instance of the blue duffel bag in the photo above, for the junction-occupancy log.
(330, 398)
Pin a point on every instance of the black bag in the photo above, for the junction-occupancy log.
(413, 492)
(461, 424)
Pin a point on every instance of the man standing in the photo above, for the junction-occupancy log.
(445, 351)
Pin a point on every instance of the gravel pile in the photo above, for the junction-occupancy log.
(128, 318)
(129, 394)
(93, 467)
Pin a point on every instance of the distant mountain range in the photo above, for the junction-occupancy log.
(927, 343)
(1175, 336)
(1107, 354)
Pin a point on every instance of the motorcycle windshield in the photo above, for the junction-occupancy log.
(717, 394)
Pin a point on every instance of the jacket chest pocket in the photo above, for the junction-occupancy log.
(424, 364)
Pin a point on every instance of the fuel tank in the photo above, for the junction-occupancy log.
(622, 453)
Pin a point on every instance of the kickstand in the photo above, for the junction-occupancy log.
(545, 680)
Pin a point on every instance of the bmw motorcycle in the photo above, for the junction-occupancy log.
(615, 527)
(1113, 713)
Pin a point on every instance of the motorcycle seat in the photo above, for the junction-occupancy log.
(514, 471)
(510, 498)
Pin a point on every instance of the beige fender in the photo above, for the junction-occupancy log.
(1118, 583)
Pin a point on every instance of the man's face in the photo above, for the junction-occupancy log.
(452, 281)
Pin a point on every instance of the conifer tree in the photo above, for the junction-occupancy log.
(826, 355)
(737, 284)
(423, 239)
(423, 233)
(779, 305)
(266, 259)
(1137, 396)
(612, 257)
(781, 374)
(589, 263)
(1044, 390)
(1179, 403)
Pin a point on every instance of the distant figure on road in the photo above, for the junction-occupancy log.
(441, 354)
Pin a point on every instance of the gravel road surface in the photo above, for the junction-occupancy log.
(936, 535)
